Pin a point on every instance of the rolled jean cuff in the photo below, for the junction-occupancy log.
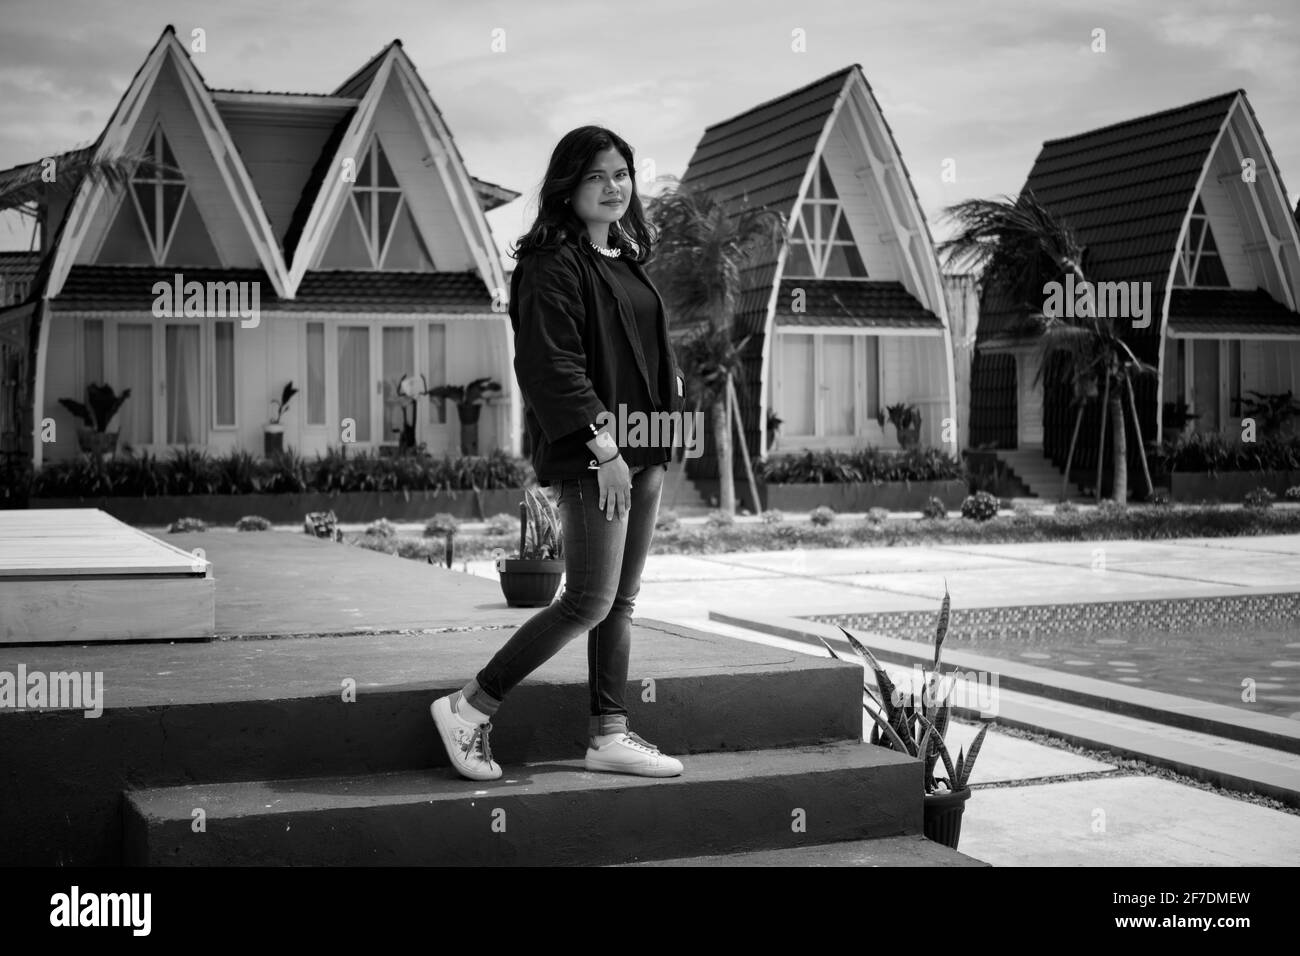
(607, 724)
(479, 699)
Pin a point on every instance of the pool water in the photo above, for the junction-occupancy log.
(1211, 663)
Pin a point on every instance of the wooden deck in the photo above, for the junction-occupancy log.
(79, 575)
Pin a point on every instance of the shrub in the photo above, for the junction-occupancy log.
(980, 506)
(667, 521)
(1293, 493)
(441, 524)
(822, 515)
(181, 525)
(934, 509)
(1259, 499)
(774, 516)
(719, 519)
(503, 524)
(1110, 508)
(877, 515)
(1159, 498)
(867, 464)
(1066, 507)
(1213, 452)
(381, 528)
(252, 523)
(190, 471)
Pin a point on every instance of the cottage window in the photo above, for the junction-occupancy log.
(1200, 257)
(377, 201)
(821, 243)
(158, 194)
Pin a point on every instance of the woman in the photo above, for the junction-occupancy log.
(591, 343)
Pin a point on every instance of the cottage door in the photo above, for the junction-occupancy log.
(1206, 393)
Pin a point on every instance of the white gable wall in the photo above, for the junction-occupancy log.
(422, 187)
(861, 203)
(206, 186)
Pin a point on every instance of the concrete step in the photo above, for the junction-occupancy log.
(273, 709)
(885, 851)
(680, 494)
(541, 814)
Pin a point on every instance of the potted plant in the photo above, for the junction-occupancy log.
(102, 403)
(916, 728)
(773, 426)
(532, 577)
(469, 400)
(906, 420)
(273, 433)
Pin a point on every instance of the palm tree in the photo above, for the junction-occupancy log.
(1020, 245)
(703, 246)
(31, 191)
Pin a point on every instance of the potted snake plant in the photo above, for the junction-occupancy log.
(531, 578)
(916, 727)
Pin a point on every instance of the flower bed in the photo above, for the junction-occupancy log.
(1137, 523)
(894, 495)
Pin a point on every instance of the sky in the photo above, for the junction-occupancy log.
(980, 82)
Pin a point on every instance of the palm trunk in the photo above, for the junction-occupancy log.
(1101, 441)
(744, 448)
(722, 441)
(1069, 457)
(1137, 435)
(1119, 466)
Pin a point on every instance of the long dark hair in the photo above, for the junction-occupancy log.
(557, 222)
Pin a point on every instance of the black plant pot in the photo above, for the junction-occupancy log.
(943, 816)
(530, 582)
(272, 441)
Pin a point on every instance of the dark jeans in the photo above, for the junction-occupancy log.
(603, 560)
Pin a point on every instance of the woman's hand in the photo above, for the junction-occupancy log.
(615, 488)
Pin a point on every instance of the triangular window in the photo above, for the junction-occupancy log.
(1199, 258)
(821, 243)
(377, 201)
(158, 192)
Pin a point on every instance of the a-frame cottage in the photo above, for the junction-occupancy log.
(849, 317)
(1191, 202)
(353, 215)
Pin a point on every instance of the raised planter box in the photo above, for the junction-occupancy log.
(352, 506)
(862, 496)
(1228, 486)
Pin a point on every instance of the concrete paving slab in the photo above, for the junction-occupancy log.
(1004, 758)
(1124, 821)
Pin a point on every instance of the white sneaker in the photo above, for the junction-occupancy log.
(466, 742)
(628, 753)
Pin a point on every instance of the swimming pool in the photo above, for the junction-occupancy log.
(1217, 664)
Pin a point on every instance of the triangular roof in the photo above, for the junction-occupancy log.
(369, 83)
(113, 140)
(1127, 191)
(767, 156)
(353, 102)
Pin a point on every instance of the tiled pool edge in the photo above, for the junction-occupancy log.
(1150, 614)
(1171, 710)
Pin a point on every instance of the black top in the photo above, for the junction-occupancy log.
(645, 309)
(574, 360)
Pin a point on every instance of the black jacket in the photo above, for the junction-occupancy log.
(578, 353)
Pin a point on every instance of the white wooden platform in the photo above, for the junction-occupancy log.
(78, 574)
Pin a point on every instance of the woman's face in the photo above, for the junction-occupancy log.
(605, 190)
